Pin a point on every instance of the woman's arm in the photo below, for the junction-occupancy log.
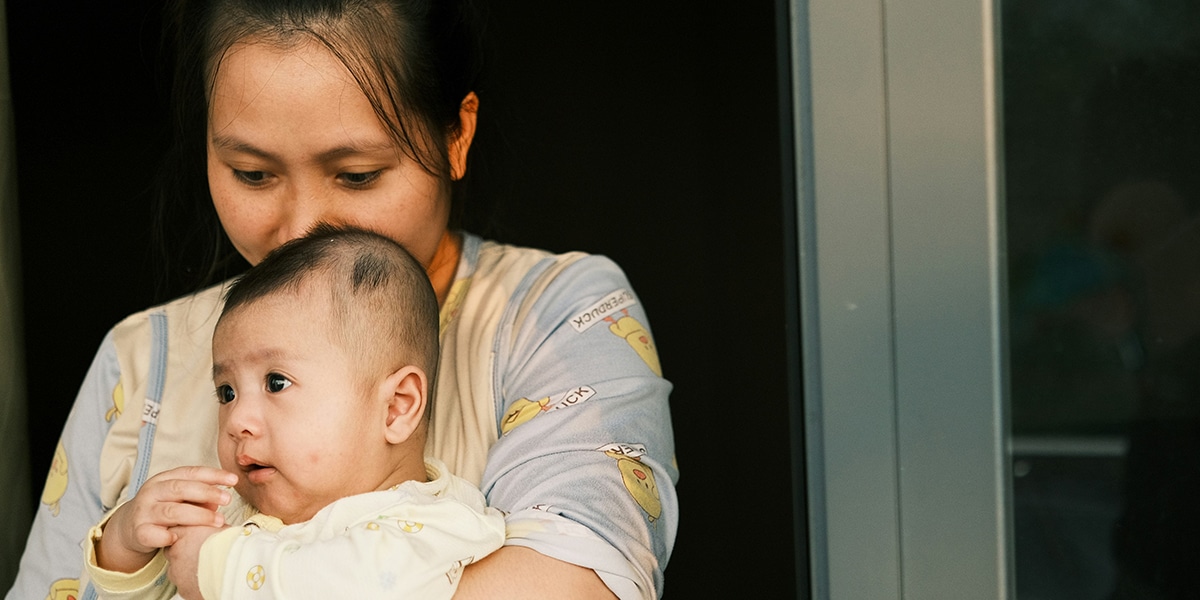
(70, 503)
(516, 573)
(585, 466)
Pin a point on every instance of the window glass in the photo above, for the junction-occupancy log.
(1101, 120)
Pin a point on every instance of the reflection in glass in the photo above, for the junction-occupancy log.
(1102, 159)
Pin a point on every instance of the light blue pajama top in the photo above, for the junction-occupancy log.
(550, 397)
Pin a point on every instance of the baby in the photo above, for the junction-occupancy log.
(323, 363)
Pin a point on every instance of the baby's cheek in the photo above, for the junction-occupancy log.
(225, 456)
(246, 491)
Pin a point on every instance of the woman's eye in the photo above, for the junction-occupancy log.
(360, 179)
(251, 177)
(225, 394)
(277, 383)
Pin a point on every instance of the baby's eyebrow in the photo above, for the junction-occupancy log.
(257, 356)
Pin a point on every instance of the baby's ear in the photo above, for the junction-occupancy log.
(407, 390)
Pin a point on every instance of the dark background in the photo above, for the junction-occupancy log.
(645, 131)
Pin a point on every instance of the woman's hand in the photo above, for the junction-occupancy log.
(180, 497)
(184, 558)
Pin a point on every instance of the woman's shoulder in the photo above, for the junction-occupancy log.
(196, 313)
(529, 280)
(486, 259)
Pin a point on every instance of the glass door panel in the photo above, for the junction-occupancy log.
(1101, 120)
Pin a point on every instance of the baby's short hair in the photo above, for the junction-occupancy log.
(382, 300)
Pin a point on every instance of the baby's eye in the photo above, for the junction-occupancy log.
(225, 394)
(277, 383)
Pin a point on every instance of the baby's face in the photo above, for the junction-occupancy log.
(297, 424)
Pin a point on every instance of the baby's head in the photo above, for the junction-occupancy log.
(323, 361)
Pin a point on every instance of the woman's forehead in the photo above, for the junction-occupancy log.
(303, 94)
(256, 63)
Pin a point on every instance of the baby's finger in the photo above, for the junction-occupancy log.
(153, 536)
(174, 514)
(185, 491)
(207, 475)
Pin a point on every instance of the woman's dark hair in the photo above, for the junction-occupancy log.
(415, 60)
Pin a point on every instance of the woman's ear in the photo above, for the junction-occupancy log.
(460, 143)
(407, 391)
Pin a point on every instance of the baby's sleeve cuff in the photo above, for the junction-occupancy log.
(213, 555)
(149, 576)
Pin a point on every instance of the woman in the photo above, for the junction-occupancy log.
(361, 112)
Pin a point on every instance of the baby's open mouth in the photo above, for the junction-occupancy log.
(255, 471)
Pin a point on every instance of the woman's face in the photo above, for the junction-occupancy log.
(293, 141)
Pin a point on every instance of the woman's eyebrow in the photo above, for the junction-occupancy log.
(226, 142)
(346, 150)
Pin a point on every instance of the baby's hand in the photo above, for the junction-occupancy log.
(180, 497)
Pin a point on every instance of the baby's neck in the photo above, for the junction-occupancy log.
(407, 468)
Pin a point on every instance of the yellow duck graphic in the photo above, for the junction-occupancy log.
(637, 477)
(637, 337)
(118, 396)
(521, 411)
(64, 589)
(56, 480)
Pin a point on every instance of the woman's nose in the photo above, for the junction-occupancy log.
(303, 211)
(307, 206)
